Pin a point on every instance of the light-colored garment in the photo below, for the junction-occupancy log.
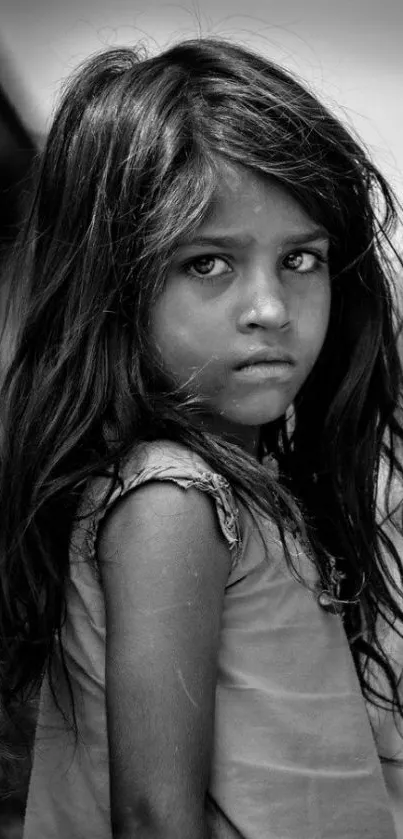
(294, 756)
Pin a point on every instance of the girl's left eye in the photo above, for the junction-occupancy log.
(304, 262)
(207, 267)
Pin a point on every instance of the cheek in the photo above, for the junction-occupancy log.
(319, 311)
(325, 312)
(177, 330)
(313, 321)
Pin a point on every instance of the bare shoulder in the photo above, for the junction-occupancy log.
(168, 521)
(162, 547)
(164, 565)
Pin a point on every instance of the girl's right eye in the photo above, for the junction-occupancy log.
(204, 267)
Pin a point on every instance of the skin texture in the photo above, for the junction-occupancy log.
(164, 564)
(219, 303)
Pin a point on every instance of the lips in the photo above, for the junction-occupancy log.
(264, 356)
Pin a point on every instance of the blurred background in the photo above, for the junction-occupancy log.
(350, 53)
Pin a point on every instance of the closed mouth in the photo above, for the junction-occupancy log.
(265, 362)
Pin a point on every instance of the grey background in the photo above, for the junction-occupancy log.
(349, 51)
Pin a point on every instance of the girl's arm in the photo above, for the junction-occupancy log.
(164, 565)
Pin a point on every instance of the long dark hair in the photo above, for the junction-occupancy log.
(131, 164)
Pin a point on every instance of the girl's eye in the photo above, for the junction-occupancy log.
(206, 267)
(304, 262)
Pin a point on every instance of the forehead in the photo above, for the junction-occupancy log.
(247, 201)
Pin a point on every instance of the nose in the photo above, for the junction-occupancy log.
(265, 302)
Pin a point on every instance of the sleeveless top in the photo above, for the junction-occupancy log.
(294, 756)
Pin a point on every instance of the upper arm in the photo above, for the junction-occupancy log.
(164, 565)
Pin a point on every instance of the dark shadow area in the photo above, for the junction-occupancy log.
(15, 767)
(17, 155)
(17, 152)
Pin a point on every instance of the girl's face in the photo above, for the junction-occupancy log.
(252, 281)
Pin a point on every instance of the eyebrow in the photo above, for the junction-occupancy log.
(243, 241)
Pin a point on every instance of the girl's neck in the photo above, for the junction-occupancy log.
(247, 437)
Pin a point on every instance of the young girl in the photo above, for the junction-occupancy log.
(199, 566)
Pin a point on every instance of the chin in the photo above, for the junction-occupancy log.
(256, 415)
